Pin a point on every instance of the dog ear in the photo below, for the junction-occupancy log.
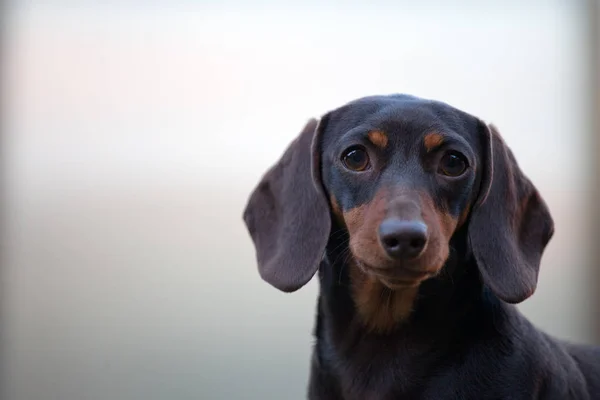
(287, 214)
(510, 224)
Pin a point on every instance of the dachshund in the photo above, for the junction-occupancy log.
(425, 233)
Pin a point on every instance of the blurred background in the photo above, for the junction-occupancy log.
(133, 132)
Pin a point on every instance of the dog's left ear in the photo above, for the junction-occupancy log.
(287, 214)
(510, 223)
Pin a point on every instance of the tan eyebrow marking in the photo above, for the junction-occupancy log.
(378, 138)
(432, 140)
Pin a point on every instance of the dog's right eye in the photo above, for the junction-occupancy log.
(453, 164)
(355, 158)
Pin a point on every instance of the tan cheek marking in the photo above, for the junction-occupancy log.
(463, 216)
(336, 209)
(441, 226)
(362, 223)
(448, 224)
(379, 308)
(445, 224)
(432, 140)
(354, 218)
(378, 138)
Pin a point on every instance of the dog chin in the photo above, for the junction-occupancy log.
(390, 282)
(398, 285)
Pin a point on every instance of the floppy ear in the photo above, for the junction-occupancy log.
(287, 214)
(510, 224)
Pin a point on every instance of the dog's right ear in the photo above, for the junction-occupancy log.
(287, 214)
(510, 223)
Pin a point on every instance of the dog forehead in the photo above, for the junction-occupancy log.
(393, 114)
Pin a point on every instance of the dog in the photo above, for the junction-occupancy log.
(425, 233)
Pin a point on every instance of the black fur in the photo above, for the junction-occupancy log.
(463, 339)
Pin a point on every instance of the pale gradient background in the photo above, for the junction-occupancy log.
(133, 133)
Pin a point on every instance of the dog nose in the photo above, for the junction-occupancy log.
(403, 239)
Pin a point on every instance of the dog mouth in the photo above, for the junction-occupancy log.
(402, 279)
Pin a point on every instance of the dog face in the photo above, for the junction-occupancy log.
(400, 175)
(400, 178)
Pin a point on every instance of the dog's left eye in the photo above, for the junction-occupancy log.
(453, 163)
(355, 159)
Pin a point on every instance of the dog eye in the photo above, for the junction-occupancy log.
(453, 164)
(355, 159)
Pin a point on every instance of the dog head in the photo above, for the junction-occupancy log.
(400, 175)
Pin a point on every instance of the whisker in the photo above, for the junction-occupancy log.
(445, 271)
(342, 253)
(340, 245)
(346, 254)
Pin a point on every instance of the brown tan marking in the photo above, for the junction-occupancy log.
(378, 138)
(355, 218)
(336, 209)
(362, 223)
(464, 216)
(447, 224)
(432, 140)
(441, 227)
(380, 308)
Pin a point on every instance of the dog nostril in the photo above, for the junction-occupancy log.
(391, 242)
(402, 239)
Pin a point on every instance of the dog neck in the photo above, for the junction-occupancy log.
(379, 308)
(445, 312)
